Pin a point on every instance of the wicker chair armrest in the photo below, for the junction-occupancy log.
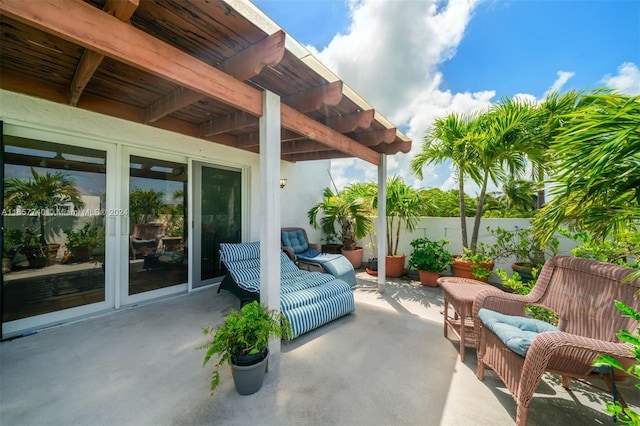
(575, 354)
(316, 246)
(500, 301)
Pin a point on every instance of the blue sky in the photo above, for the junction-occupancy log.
(417, 60)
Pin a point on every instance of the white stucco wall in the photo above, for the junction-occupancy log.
(448, 228)
(305, 180)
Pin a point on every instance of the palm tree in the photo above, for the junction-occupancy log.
(546, 126)
(503, 134)
(405, 205)
(596, 185)
(451, 138)
(346, 209)
(42, 193)
(145, 204)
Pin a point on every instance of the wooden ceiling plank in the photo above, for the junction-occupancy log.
(90, 60)
(244, 65)
(297, 147)
(315, 155)
(351, 122)
(237, 120)
(83, 24)
(375, 137)
(315, 98)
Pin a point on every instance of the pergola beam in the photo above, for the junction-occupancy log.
(375, 137)
(351, 122)
(90, 60)
(242, 66)
(315, 98)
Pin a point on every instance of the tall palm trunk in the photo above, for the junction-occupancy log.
(463, 210)
(476, 222)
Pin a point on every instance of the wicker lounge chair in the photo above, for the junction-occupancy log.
(307, 299)
(582, 293)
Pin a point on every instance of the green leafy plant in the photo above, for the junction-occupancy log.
(428, 255)
(625, 415)
(32, 247)
(602, 249)
(515, 283)
(82, 239)
(523, 245)
(243, 333)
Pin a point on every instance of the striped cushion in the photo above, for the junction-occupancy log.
(241, 251)
(308, 299)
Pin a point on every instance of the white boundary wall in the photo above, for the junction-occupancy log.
(448, 228)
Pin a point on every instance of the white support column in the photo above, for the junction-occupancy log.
(382, 223)
(270, 211)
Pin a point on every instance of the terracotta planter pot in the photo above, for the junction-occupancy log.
(395, 266)
(53, 253)
(463, 269)
(429, 278)
(354, 256)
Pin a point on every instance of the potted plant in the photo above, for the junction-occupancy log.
(476, 264)
(350, 212)
(33, 249)
(241, 341)
(522, 245)
(10, 246)
(429, 258)
(405, 205)
(42, 195)
(81, 242)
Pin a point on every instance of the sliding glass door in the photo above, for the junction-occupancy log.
(158, 249)
(218, 218)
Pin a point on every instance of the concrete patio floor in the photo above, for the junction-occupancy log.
(386, 364)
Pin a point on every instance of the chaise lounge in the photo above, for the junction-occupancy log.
(307, 299)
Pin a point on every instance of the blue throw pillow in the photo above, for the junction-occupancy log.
(516, 332)
(295, 240)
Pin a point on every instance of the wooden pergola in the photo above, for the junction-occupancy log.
(196, 68)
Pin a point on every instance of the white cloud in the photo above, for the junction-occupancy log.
(391, 55)
(563, 77)
(627, 81)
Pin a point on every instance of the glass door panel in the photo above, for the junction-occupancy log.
(219, 218)
(53, 227)
(157, 224)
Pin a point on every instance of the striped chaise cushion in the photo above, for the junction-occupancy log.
(308, 299)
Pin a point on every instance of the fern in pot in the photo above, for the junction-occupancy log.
(429, 258)
(241, 342)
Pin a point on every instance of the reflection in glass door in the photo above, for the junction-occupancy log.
(157, 224)
(218, 218)
(53, 227)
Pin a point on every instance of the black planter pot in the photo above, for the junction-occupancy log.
(372, 264)
(248, 372)
(523, 271)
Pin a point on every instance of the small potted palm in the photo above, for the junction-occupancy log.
(241, 341)
(429, 258)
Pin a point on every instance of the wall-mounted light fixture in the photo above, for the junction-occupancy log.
(283, 183)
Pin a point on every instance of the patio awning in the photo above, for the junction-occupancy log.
(196, 68)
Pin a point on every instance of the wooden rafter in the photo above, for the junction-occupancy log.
(351, 122)
(234, 121)
(315, 98)
(296, 147)
(375, 137)
(90, 60)
(244, 65)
